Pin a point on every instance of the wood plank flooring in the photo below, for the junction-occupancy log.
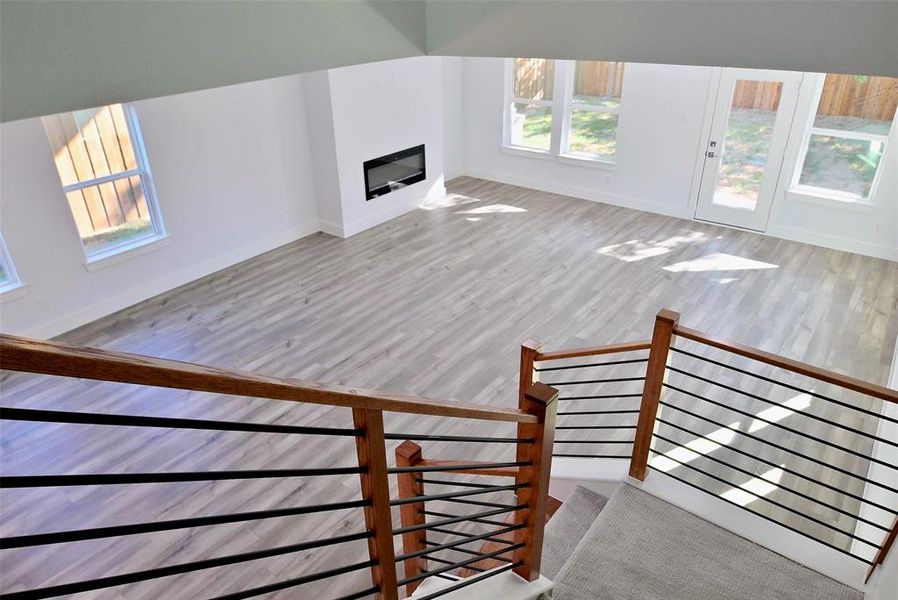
(434, 303)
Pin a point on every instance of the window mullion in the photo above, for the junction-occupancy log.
(74, 187)
(564, 70)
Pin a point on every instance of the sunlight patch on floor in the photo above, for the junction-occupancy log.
(695, 449)
(636, 250)
(778, 413)
(449, 201)
(492, 208)
(718, 262)
(755, 488)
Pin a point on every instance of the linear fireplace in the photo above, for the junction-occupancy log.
(393, 171)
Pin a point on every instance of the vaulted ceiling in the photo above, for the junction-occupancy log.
(59, 55)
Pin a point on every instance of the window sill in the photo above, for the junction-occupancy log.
(527, 152)
(585, 161)
(835, 200)
(11, 291)
(117, 255)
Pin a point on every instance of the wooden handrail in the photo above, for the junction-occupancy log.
(55, 358)
(593, 351)
(856, 385)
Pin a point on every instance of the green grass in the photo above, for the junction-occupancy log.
(591, 133)
(117, 236)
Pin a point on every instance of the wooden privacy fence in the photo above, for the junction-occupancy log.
(98, 167)
(534, 78)
(843, 95)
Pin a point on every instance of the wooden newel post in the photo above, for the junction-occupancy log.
(665, 322)
(540, 400)
(529, 352)
(408, 454)
(372, 455)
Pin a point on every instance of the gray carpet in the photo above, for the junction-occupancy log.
(642, 548)
(567, 527)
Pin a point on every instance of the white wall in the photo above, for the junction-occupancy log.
(378, 109)
(232, 174)
(871, 230)
(658, 139)
(663, 123)
(454, 130)
(238, 171)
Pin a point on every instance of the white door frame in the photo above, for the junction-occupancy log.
(718, 112)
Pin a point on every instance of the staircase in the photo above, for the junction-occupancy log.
(722, 472)
(639, 546)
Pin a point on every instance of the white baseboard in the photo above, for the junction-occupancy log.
(164, 284)
(786, 233)
(834, 242)
(438, 191)
(332, 229)
(681, 212)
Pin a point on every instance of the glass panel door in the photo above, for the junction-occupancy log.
(750, 125)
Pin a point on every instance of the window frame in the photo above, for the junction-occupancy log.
(802, 191)
(113, 254)
(14, 283)
(510, 100)
(569, 106)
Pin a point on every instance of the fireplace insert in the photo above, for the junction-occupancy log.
(394, 171)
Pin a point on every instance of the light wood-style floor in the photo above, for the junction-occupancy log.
(434, 303)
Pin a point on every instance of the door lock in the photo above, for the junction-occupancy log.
(710, 154)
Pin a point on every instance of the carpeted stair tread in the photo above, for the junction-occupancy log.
(567, 527)
(642, 548)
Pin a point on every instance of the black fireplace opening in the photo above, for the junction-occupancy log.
(394, 171)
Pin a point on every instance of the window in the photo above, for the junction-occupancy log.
(530, 105)
(593, 103)
(843, 147)
(9, 279)
(99, 155)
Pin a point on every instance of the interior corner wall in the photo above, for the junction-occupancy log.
(320, 119)
(454, 131)
(233, 176)
(378, 109)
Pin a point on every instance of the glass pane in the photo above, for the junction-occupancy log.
(90, 143)
(531, 126)
(534, 78)
(841, 164)
(598, 83)
(592, 133)
(4, 276)
(747, 143)
(857, 103)
(110, 214)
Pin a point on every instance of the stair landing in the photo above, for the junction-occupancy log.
(641, 547)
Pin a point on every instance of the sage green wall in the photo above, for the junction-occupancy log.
(63, 55)
(839, 36)
(58, 55)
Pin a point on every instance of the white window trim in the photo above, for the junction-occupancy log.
(510, 100)
(562, 106)
(570, 70)
(101, 259)
(825, 196)
(14, 288)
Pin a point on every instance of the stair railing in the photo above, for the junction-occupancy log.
(530, 468)
(823, 444)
